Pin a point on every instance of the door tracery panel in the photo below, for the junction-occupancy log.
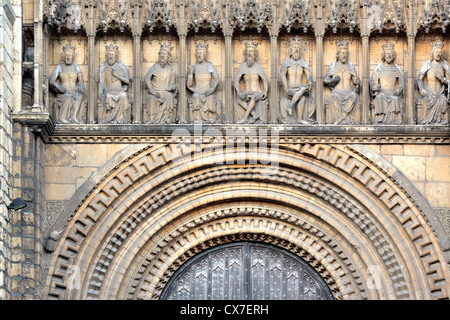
(246, 271)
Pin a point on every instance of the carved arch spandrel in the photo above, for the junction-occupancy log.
(343, 171)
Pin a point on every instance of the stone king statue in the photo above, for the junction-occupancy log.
(386, 85)
(113, 89)
(251, 103)
(433, 83)
(341, 77)
(161, 101)
(203, 80)
(296, 103)
(67, 81)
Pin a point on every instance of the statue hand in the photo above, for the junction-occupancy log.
(336, 79)
(357, 81)
(242, 95)
(157, 94)
(263, 96)
(291, 92)
(308, 87)
(439, 75)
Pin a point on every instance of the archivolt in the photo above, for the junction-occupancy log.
(152, 211)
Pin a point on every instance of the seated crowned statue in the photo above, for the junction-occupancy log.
(114, 104)
(386, 85)
(161, 101)
(296, 102)
(202, 81)
(341, 77)
(433, 82)
(251, 101)
(67, 80)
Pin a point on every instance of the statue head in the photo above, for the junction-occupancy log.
(295, 48)
(437, 50)
(201, 52)
(164, 53)
(251, 52)
(342, 51)
(68, 54)
(112, 54)
(388, 54)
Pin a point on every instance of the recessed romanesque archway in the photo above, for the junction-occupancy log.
(141, 218)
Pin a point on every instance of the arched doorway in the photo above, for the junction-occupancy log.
(246, 271)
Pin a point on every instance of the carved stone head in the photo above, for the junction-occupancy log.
(112, 54)
(295, 48)
(388, 54)
(251, 52)
(68, 54)
(342, 53)
(201, 52)
(165, 53)
(437, 50)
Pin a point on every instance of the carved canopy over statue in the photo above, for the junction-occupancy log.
(67, 80)
(341, 77)
(113, 101)
(433, 83)
(161, 101)
(251, 101)
(386, 85)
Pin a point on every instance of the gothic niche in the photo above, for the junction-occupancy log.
(69, 106)
(28, 71)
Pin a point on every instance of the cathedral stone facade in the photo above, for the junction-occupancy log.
(224, 149)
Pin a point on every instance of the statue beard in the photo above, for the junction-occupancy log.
(250, 61)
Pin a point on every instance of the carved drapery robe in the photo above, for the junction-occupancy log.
(342, 102)
(204, 105)
(160, 81)
(113, 94)
(69, 104)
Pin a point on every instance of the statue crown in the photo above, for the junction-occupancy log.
(437, 44)
(166, 47)
(112, 47)
(251, 44)
(342, 44)
(296, 41)
(199, 46)
(68, 47)
(388, 45)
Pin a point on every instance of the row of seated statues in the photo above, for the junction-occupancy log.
(251, 87)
